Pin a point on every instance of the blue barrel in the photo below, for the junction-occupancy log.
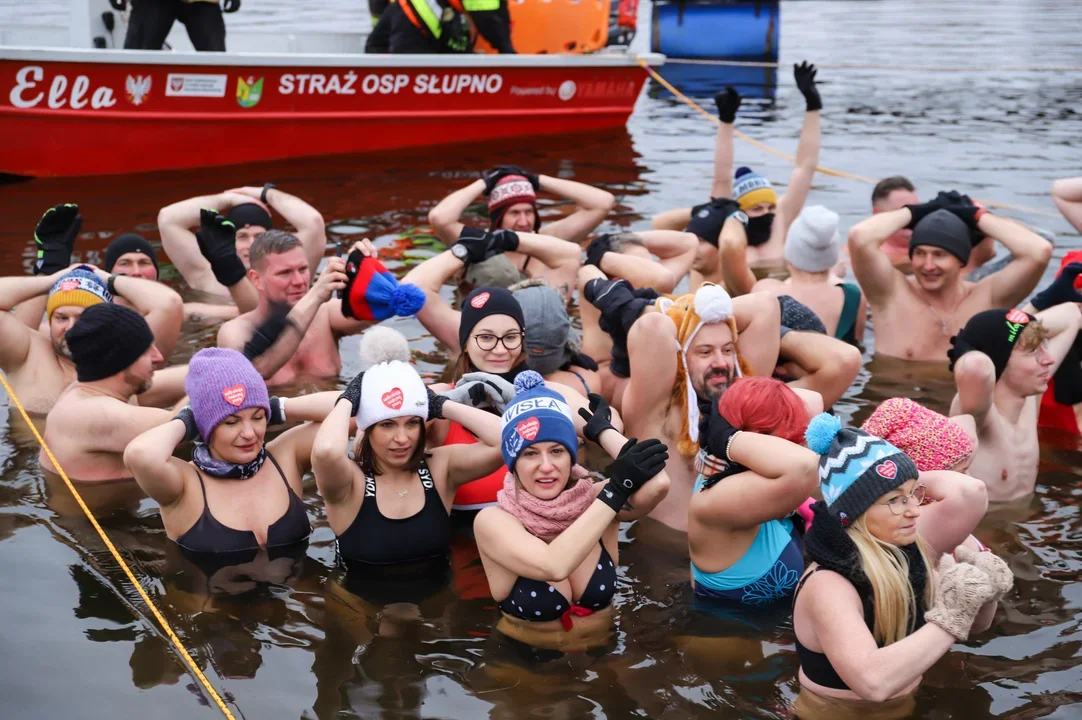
(702, 81)
(717, 28)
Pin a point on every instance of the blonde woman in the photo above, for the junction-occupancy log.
(887, 606)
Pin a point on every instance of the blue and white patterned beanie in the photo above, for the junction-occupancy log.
(855, 468)
(536, 415)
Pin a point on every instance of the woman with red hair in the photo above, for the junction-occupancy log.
(753, 474)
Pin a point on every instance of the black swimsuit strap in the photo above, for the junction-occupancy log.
(280, 473)
(803, 580)
(202, 487)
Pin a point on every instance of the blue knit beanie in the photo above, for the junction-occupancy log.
(750, 189)
(536, 415)
(855, 468)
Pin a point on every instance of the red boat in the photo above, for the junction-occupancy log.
(70, 112)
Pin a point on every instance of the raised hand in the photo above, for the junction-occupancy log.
(217, 238)
(598, 418)
(805, 73)
(55, 238)
(728, 102)
(636, 464)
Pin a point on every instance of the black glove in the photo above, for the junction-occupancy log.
(435, 405)
(635, 465)
(728, 102)
(718, 435)
(598, 418)
(597, 249)
(268, 331)
(55, 237)
(118, 5)
(230, 6)
(191, 430)
(805, 82)
(1061, 290)
(353, 392)
(277, 412)
(923, 210)
(493, 176)
(965, 209)
(217, 238)
(949, 200)
(479, 245)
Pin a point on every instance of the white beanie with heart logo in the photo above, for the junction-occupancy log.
(391, 387)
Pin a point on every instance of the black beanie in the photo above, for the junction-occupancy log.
(943, 229)
(107, 339)
(249, 214)
(483, 302)
(992, 332)
(128, 243)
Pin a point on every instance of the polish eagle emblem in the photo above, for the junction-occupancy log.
(138, 88)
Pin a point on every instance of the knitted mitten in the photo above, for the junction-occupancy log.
(961, 591)
(994, 566)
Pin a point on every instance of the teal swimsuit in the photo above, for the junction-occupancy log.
(768, 571)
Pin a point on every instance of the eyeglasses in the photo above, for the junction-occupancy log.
(899, 503)
(511, 341)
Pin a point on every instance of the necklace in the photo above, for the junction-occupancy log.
(402, 493)
(944, 326)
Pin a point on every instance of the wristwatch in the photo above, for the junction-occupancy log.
(741, 216)
(109, 284)
(266, 187)
(460, 252)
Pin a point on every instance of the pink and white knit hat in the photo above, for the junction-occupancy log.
(510, 190)
(933, 441)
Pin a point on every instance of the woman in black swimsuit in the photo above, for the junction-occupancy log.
(883, 613)
(549, 548)
(391, 505)
(239, 494)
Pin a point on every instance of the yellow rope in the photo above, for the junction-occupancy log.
(108, 543)
(904, 68)
(825, 170)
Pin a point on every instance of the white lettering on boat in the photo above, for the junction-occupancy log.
(27, 79)
(317, 84)
(456, 84)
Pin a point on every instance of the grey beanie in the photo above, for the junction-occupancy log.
(812, 243)
(497, 271)
(943, 229)
(550, 340)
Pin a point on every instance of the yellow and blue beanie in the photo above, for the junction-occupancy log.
(751, 188)
(79, 288)
(536, 415)
(855, 468)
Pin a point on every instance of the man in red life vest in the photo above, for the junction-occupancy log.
(440, 26)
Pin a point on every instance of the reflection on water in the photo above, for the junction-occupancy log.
(286, 638)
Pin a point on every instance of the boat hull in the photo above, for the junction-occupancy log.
(76, 113)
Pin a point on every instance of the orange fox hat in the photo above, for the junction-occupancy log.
(709, 305)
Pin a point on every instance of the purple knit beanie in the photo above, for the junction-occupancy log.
(221, 383)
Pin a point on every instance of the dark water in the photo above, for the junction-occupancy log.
(73, 641)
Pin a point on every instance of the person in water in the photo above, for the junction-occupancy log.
(753, 475)
(130, 254)
(391, 505)
(112, 401)
(39, 365)
(248, 209)
(684, 353)
(811, 250)
(915, 316)
(551, 345)
(229, 500)
(295, 328)
(630, 256)
(880, 603)
(512, 205)
(1061, 404)
(491, 331)
(1002, 362)
(894, 193)
(550, 547)
(745, 216)
(474, 249)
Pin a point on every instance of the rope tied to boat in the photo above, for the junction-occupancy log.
(193, 668)
(778, 153)
(903, 68)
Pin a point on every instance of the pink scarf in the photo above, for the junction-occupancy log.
(546, 519)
